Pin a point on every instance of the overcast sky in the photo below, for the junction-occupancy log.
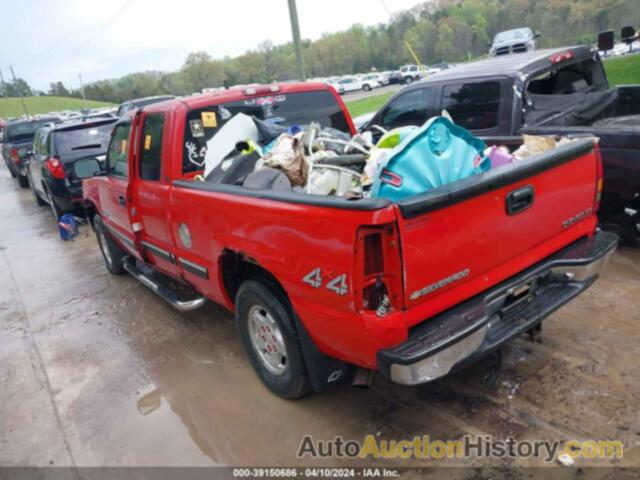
(50, 40)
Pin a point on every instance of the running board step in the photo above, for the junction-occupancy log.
(145, 275)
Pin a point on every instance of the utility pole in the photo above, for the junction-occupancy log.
(24, 106)
(84, 100)
(295, 30)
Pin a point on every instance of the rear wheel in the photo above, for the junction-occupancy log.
(56, 211)
(112, 254)
(39, 201)
(264, 323)
(408, 80)
(366, 87)
(625, 226)
(23, 181)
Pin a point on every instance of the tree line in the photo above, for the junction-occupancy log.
(446, 30)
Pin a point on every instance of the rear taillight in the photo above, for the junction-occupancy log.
(15, 156)
(373, 254)
(562, 57)
(599, 180)
(378, 269)
(55, 167)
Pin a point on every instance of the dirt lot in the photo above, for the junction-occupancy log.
(95, 370)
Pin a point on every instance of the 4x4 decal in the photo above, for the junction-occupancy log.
(313, 278)
(337, 285)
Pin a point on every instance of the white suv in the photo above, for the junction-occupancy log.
(410, 73)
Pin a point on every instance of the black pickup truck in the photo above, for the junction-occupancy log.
(545, 92)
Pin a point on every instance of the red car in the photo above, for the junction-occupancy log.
(323, 285)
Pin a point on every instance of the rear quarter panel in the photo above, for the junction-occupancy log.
(290, 241)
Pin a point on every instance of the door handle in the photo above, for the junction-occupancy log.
(122, 201)
(519, 200)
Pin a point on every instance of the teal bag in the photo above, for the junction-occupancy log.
(437, 153)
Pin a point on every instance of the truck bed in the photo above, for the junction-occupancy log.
(454, 242)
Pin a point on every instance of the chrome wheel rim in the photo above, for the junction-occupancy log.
(103, 246)
(267, 340)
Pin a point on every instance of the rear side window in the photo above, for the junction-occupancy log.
(473, 106)
(118, 151)
(37, 142)
(151, 147)
(411, 108)
(284, 109)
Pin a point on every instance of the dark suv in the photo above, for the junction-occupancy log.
(16, 145)
(62, 156)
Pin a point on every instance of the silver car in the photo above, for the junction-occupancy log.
(518, 40)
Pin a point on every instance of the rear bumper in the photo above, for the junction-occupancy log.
(467, 332)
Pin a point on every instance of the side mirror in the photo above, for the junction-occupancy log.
(537, 35)
(606, 40)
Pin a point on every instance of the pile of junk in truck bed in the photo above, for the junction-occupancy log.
(316, 160)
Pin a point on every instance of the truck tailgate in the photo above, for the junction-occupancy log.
(462, 239)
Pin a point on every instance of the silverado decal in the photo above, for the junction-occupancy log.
(439, 284)
(573, 220)
(337, 285)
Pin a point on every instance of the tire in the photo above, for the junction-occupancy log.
(366, 87)
(625, 226)
(11, 171)
(39, 201)
(23, 181)
(111, 253)
(408, 80)
(259, 309)
(56, 211)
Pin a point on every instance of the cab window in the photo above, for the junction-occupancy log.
(151, 147)
(118, 151)
(474, 106)
(300, 108)
(410, 108)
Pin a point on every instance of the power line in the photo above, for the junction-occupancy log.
(63, 37)
(384, 5)
(97, 32)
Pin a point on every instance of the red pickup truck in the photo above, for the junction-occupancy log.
(323, 285)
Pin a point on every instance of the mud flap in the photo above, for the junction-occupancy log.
(324, 372)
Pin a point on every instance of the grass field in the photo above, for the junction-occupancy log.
(623, 70)
(366, 105)
(620, 71)
(11, 107)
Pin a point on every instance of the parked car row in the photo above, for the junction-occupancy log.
(369, 81)
(51, 154)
